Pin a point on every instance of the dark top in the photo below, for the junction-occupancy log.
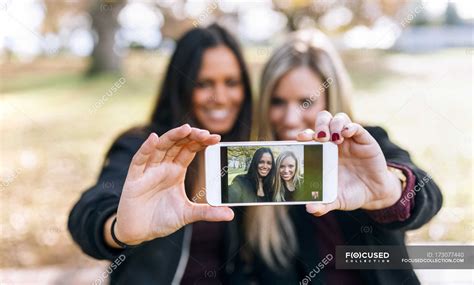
(206, 242)
(164, 260)
(242, 191)
(288, 194)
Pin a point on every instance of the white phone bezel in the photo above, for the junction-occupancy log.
(213, 165)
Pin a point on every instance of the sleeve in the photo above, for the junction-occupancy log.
(421, 199)
(235, 191)
(401, 210)
(98, 203)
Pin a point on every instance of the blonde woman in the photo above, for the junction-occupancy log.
(289, 179)
(304, 95)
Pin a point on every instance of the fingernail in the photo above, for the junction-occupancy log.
(335, 137)
(321, 134)
(308, 131)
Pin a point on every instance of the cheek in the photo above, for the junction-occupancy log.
(236, 96)
(309, 117)
(276, 115)
(201, 97)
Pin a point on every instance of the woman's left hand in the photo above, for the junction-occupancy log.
(364, 180)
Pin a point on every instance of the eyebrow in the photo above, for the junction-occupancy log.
(300, 96)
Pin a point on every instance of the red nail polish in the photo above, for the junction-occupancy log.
(321, 134)
(335, 137)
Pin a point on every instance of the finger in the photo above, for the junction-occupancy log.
(336, 125)
(187, 153)
(204, 212)
(322, 209)
(139, 160)
(168, 140)
(193, 140)
(306, 135)
(358, 133)
(321, 128)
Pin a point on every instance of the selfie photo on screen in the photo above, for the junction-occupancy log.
(280, 173)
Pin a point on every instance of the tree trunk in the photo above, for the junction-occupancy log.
(104, 22)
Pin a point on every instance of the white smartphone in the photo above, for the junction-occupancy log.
(271, 173)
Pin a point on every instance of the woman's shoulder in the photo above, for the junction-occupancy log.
(376, 131)
(133, 136)
(243, 181)
(141, 132)
(130, 140)
(241, 178)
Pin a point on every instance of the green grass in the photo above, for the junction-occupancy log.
(55, 146)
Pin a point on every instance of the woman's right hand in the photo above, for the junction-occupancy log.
(154, 202)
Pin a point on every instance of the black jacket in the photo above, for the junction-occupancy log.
(163, 260)
(241, 190)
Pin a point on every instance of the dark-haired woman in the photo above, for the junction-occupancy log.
(256, 185)
(159, 180)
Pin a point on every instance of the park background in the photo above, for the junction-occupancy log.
(75, 74)
(240, 157)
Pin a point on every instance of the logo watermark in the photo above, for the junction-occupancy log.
(207, 12)
(314, 96)
(320, 266)
(419, 185)
(111, 92)
(114, 265)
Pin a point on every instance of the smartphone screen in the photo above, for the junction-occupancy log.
(271, 173)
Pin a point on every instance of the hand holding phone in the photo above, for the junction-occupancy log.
(153, 201)
(271, 173)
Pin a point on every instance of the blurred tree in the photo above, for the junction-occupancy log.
(302, 12)
(451, 16)
(104, 22)
(243, 154)
(421, 18)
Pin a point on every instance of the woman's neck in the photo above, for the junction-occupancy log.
(260, 191)
(290, 186)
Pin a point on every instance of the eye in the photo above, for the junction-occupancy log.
(203, 84)
(277, 102)
(306, 103)
(233, 82)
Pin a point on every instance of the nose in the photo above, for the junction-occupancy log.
(292, 116)
(219, 94)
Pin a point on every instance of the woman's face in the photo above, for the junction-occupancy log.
(219, 91)
(295, 103)
(264, 165)
(287, 168)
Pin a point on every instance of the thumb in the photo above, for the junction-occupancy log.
(205, 212)
(321, 209)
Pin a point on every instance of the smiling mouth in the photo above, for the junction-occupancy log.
(220, 114)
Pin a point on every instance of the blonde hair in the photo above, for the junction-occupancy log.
(269, 229)
(279, 195)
